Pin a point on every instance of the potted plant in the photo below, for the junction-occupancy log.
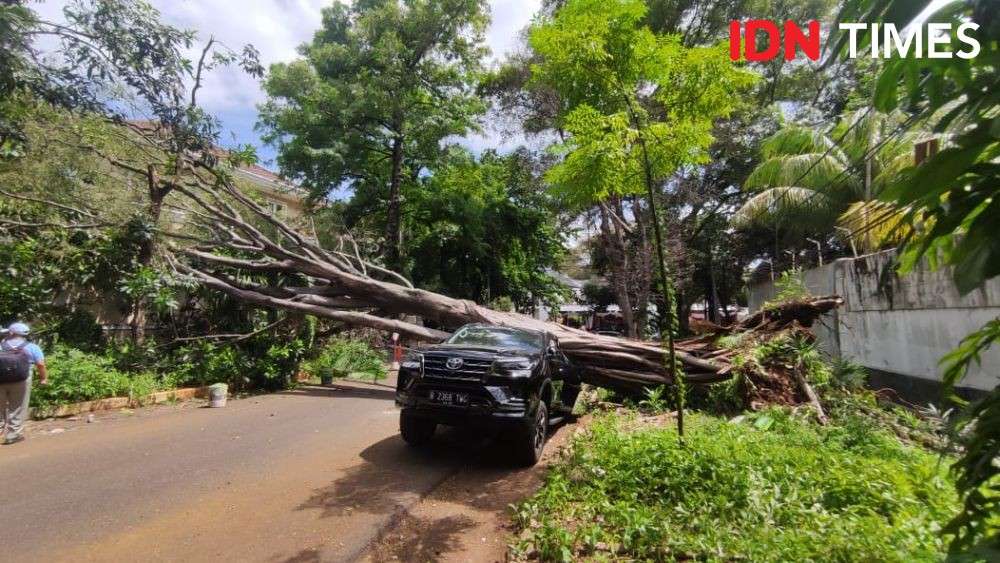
(326, 378)
(321, 366)
(341, 358)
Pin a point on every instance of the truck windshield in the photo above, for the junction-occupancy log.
(495, 337)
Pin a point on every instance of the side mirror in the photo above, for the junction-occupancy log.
(552, 352)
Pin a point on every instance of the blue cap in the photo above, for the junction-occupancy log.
(20, 329)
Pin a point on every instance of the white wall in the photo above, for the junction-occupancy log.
(899, 325)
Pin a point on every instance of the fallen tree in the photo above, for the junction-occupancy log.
(225, 239)
(236, 237)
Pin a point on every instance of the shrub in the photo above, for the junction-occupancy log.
(848, 375)
(143, 384)
(774, 488)
(76, 376)
(795, 351)
(258, 363)
(790, 286)
(341, 358)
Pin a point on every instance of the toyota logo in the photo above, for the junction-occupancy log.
(453, 363)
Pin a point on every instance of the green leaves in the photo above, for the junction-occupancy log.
(343, 357)
(952, 205)
(76, 376)
(936, 176)
(977, 473)
(375, 73)
(811, 170)
(796, 139)
(146, 284)
(481, 228)
(636, 102)
(773, 488)
(790, 205)
(813, 177)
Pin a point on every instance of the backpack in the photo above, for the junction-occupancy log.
(15, 365)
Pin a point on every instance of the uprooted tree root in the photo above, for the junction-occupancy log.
(777, 380)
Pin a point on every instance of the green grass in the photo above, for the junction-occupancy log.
(769, 487)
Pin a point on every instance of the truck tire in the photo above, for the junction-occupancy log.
(416, 431)
(531, 441)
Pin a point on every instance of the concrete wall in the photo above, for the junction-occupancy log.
(819, 281)
(899, 326)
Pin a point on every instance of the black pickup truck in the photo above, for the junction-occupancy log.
(491, 376)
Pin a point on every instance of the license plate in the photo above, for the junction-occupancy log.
(449, 398)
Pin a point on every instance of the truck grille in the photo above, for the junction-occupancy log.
(472, 369)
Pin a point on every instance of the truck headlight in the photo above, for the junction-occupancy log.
(513, 367)
(411, 362)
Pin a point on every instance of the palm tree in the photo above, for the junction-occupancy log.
(813, 181)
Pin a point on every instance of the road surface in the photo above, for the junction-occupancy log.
(314, 474)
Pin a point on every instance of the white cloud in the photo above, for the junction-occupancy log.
(509, 19)
(276, 28)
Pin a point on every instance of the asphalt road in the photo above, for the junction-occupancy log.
(313, 474)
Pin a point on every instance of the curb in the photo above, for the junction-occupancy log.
(113, 403)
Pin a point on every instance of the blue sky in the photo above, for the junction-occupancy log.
(276, 28)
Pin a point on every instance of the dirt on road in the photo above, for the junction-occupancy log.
(467, 517)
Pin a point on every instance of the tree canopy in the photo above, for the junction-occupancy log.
(377, 90)
(486, 228)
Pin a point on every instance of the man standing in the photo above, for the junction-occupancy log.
(18, 357)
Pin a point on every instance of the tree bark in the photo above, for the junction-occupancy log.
(712, 294)
(614, 247)
(138, 316)
(393, 213)
(643, 271)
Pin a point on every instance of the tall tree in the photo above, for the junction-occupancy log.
(378, 89)
(814, 180)
(116, 59)
(640, 107)
(484, 229)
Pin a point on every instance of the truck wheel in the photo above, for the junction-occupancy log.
(416, 431)
(531, 442)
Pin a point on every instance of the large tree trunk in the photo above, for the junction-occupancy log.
(614, 248)
(393, 213)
